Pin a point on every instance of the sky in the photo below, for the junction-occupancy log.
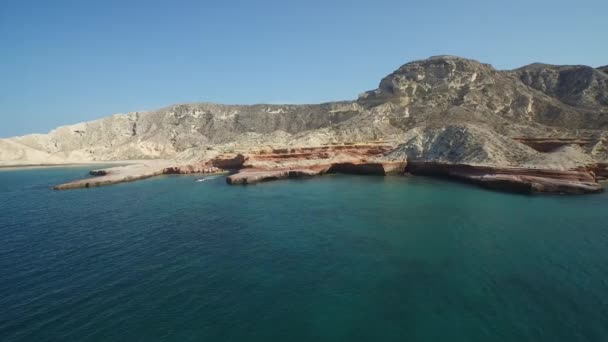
(64, 62)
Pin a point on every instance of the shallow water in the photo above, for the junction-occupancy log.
(335, 258)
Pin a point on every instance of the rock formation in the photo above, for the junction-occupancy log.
(522, 180)
(443, 110)
(313, 161)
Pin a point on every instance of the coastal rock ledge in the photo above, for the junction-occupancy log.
(363, 159)
(252, 176)
(519, 180)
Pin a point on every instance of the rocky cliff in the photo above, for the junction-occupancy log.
(442, 109)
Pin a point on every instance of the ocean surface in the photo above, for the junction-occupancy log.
(335, 258)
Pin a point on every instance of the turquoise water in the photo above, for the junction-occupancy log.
(336, 258)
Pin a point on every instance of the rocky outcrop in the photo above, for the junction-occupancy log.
(551, 144)
(217, 164)
(450, 90)
(314, 155)
(285, 163)
(369, 168)
(252, 176)
(443, 109)
(101, 172)
(600, 170)
(536, 100)
(192, 168)
(228, 162)
(258, 176)
(577, 85)
(461, 144)
(420, 81)
(518, 180)
(481, 156)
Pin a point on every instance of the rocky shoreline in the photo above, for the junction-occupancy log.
(516, 180)
(252, 176)
(361, 159)
(537, 129)
(519, 180)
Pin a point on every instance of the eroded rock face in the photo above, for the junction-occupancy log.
(450, 90)
(184, 132)
(286, 163)
(520, 180)
(533, 101)
(228, 162)
(381, 168)
(419, 80)
(461, 144)
(551, 144)
(578, 85)
(258, 176)
(192, 168)
(600, 170)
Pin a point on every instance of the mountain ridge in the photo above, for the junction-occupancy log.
(536, 100)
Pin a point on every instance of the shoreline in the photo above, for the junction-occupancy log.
(362, 159)
(512, 180)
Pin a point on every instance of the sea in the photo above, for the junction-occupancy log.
(333, 258)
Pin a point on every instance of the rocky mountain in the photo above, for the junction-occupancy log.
(455, 90)
(579, 86)
(441, 108)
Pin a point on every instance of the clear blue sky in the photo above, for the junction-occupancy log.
(63, 62)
